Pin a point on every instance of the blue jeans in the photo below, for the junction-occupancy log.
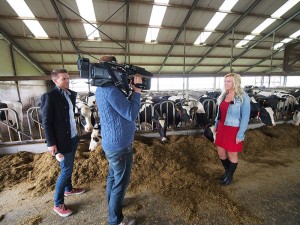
(64, 181)
(120, 164)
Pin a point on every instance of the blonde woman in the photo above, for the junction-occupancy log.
(231, 123)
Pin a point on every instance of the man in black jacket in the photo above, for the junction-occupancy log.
(57, 108)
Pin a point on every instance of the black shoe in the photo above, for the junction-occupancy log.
(229, 174)
(226, 181)
(225, 163)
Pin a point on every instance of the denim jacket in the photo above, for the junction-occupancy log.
(238, 115)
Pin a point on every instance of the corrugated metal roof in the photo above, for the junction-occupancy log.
(111, 16)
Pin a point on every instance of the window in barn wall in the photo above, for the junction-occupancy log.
(170, 83)
(81, 85)
(276, 81)
(201, 83)
(154, 83)
(293, 81)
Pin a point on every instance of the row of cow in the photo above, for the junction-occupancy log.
(160, 113)
(163, 112)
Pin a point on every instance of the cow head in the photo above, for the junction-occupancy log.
(196, 112)
(296, 118)
(182, 113)
(210, 133)
(85, 116)
(95, 138)
(161, 124)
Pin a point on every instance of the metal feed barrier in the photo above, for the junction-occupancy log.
(12, 125)
(34, 119)
(15, 134)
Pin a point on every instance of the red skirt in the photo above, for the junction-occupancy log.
(226, 138)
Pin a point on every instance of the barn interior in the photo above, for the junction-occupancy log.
(188, 46)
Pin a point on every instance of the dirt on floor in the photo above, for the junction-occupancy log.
(171, 183)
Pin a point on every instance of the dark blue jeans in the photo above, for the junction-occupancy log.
(120, 164)
(64, 181)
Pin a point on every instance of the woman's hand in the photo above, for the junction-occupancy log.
(238, 141)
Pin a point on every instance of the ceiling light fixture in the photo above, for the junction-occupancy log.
(215, 21)
(267, 22)
(22, 10)
(86, 11)
(156, 18)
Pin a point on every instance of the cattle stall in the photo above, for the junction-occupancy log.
(33, 131)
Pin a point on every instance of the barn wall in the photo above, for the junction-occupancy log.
(30, 91)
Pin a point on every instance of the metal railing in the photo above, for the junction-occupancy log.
(34, 119)
(12, 123)
(168, 107)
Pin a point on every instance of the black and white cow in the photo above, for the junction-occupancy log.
(265, 114)
(95, 138)
(196, 111)
(83, 115)
(162, 113)
(161, 124)
(10, 112)
(283, 106)
(296, 116)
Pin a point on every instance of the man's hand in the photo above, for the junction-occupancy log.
(52, 150)
(136, 80)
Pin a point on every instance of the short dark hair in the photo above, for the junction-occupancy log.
(108, 58)
(55, 72)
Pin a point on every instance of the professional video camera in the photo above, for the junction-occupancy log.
(112, 73)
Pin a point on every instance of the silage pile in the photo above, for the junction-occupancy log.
(180, 170)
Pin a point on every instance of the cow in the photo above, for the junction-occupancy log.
(281, 101)
(162, 114)
(296, 116)
(161, 124)
(213, 94)
(265, 114)
(83, 115)
(8, 116)
(196, 112)
(210, 133)
(95, 138)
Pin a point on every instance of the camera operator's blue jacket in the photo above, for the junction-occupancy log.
(117, 117)
(238, 115)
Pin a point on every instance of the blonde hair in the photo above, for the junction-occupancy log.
(238, 90)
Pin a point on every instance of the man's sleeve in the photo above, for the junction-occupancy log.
(48, 119)
(127, 109)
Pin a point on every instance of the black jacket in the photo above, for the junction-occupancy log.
(56, 119)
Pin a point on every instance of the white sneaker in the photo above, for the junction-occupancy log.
(127, 221)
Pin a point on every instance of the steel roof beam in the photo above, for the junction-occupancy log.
(7, 36)
(199, 8)
(96, 28)
(179, 33)
(225, 34)
(115, 24)
(261, 61)
(263, 38)
(127, 34)
(64, 26)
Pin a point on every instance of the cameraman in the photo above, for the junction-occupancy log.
(117, 115)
